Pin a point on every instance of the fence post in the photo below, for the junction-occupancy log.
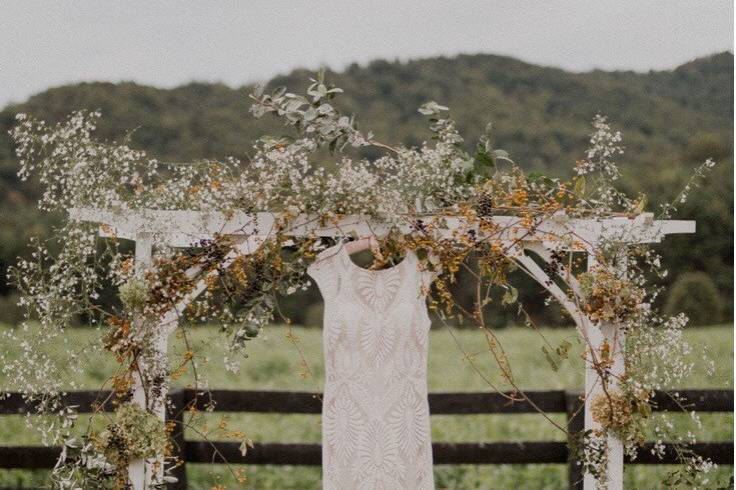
(175, 413)
(574, 408)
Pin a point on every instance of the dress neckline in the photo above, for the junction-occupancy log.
(349, 262)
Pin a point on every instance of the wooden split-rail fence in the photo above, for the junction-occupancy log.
(444, 453)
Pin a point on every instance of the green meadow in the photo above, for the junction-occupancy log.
(277, 363)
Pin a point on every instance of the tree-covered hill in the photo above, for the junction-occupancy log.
(670, 120)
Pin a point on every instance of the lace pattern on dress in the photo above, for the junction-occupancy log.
(375, 416)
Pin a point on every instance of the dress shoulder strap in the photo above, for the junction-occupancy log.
(325, 271)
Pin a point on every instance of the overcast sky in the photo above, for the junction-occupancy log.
(45, 43)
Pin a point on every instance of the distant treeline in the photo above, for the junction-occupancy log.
(671, 121)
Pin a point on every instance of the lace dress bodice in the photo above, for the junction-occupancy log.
(375, 416)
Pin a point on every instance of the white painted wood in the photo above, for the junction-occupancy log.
(597, 335)
(187, 228)
(137, 468)
(143, 474)
(594, 336)
(536, 272)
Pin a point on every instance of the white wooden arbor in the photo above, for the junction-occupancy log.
(185, 228)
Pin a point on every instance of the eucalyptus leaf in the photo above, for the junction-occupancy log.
(310, 114)
(502, 155)
(580, 185)
(550, 359)
(641, 205)
(510, 296)
(431, 108)
(484, 158)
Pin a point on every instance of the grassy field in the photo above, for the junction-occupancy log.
(275, 363)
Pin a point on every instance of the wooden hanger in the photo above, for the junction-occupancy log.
(364, 243)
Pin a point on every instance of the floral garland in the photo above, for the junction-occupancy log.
(404, 188)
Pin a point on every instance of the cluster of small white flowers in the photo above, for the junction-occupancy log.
(74, 168)
(65, 478)
(78, 171)
(661, 349)
(354, 189)
(699, 173)
(276, 178)
(431, 175)
(658, 449)
(700, 467)
(658, 354)
(605, 145)
(594, 458)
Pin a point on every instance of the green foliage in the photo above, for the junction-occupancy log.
(696, 295)
(671, 120)
(134, 434)
(557, 355)
(134, 294)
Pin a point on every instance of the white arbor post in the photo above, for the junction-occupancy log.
(139, 472)
(598, 336)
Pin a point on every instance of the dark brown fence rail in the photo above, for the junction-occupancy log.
(292, 402)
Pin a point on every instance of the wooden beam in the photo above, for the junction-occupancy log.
(614, 337)
(439, 403)
(179, 228)
(525, 452)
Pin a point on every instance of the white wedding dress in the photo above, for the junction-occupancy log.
(375, 415)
